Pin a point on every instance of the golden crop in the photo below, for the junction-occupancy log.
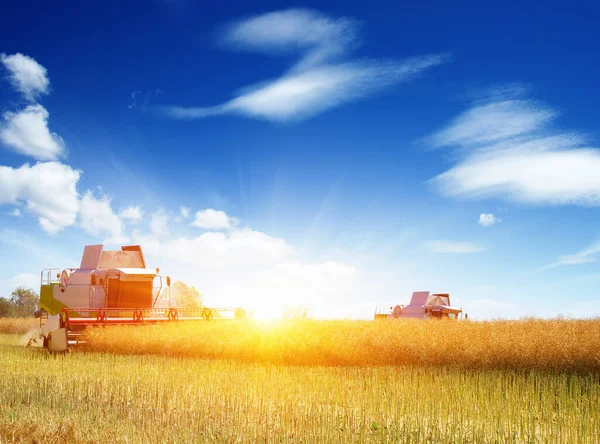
(83, 397)
(18, 325)
(548, 345)
(309, 381)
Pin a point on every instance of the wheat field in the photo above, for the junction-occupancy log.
(101, 397)
(534, 344)
(18, 325)
(308, 381)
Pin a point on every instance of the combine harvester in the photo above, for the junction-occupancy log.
(423, 305)
(110, 288)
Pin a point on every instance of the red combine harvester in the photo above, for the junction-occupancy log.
(110, 288)
(423, 305)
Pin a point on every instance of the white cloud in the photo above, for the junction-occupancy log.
(248, 268)
(488, 219)
(16, 212)
(589, 254)
(26, 75)
(49, 190)
(507, 149)
(26, 280)
(453, 247)
(237, 248)
(210, 219)
(317, 81)
(132, 213)
(185, 212)
(96, 217)
(159, 223)
(27, 132)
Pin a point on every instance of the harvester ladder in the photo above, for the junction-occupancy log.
(43, 318)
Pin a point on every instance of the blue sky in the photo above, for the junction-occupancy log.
(335, 156)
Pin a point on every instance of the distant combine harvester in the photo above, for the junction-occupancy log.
(423, 305)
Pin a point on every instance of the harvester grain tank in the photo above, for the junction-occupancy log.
(110, 287)
(423, 305)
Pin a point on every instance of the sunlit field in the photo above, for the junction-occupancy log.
(556, 344)
(309, 381)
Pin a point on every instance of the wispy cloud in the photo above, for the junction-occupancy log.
(589, 254)
(26, 75)
(317, 37)
(452, 247)
(488, 219)
(493, 122)
(133, 101)
(141, 99)
(321, 79)
(508, 148)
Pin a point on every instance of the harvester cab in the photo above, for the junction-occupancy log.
(423, 305)
(104, 280)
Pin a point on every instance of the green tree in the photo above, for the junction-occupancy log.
(5, 308)
(24, 302)
(184, 295)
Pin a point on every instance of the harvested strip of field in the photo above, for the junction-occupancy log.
(81, 397)
(548, 345)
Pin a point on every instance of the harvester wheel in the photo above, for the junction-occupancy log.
(207, 314)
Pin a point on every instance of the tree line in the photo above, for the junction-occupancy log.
(23, 303)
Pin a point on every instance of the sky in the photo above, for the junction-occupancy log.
(335, 156)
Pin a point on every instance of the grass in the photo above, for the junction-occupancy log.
(309, 382)
(529, 344)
